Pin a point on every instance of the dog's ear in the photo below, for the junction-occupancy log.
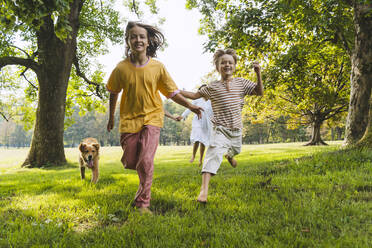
(96, 145)
(82, 147)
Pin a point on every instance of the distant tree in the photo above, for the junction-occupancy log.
(310, 84)
(20, 137)
(91, 124)
(274, 130)
(172, 132)
(6, 130)
(255, 133)
(186, 131)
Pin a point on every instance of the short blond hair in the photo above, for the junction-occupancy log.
(220, 52)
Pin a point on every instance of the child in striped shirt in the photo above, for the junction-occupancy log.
(227, 97)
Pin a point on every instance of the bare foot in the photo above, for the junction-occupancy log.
(144, 210)
(202, 198)
(200, 163)
(232, 161)
(192, 159)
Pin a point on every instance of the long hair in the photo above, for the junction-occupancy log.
(220, 52)
(154, 36)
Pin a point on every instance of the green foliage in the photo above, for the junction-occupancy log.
(26, 17)
(85, 95)
(16, 99)
(174, 132)
(309, 83)
(99, 23)
(260, 27)
(274, 198)
(256, 131)
(91, 124)
(14, 135)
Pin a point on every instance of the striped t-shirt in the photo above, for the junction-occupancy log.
(227, 105)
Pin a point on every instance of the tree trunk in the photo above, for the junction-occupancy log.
(339, 132)
(316, 138)
(55, 60)
(361, 76)
(47, 141)
(366, 141)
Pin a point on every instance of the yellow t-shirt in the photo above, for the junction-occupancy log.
(140, 103)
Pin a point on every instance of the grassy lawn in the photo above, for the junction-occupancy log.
(280, 195)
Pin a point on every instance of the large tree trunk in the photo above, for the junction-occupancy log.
(361, 76)
(55, 60)
(316, 138)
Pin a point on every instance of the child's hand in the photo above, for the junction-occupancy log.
(197, 110)
(110, 125)
(178, 118)
(256, 66)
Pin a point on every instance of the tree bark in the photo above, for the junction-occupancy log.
(361, 76)
(366, 141)
(316, 138)
(55, 63)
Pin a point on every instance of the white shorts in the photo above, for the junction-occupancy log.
(222, 141)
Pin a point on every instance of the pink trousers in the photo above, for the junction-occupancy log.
(139, 152)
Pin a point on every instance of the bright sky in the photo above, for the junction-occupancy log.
(184, 57)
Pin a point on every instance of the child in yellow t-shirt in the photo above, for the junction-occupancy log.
(140, 78)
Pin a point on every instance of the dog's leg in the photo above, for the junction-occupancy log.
(82, 172)
(95, 174)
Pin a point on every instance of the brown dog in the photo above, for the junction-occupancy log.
(89, 156)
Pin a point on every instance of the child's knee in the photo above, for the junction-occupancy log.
(129, 163)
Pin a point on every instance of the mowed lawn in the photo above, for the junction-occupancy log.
(280, 195)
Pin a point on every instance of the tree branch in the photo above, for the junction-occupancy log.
(28, 55)
(340, 84)
(23, 74)
(341, 109)
(349, 2)
(135, 8)
(288, 100)
(339, 76)
(324, 41)
(82, 75)
(345, 43)
(286, 122)
(29, 63)
(4, 116)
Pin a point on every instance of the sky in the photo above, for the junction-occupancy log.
(184, 57)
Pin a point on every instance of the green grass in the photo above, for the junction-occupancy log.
(280, 195)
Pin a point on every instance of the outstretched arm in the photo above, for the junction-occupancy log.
(170, 116)
(191, 95)
(113, 100)
(178, 98)
(259, 88)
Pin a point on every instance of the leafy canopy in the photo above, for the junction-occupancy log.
(99, 26)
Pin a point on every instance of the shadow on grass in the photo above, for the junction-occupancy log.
(68, 165)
